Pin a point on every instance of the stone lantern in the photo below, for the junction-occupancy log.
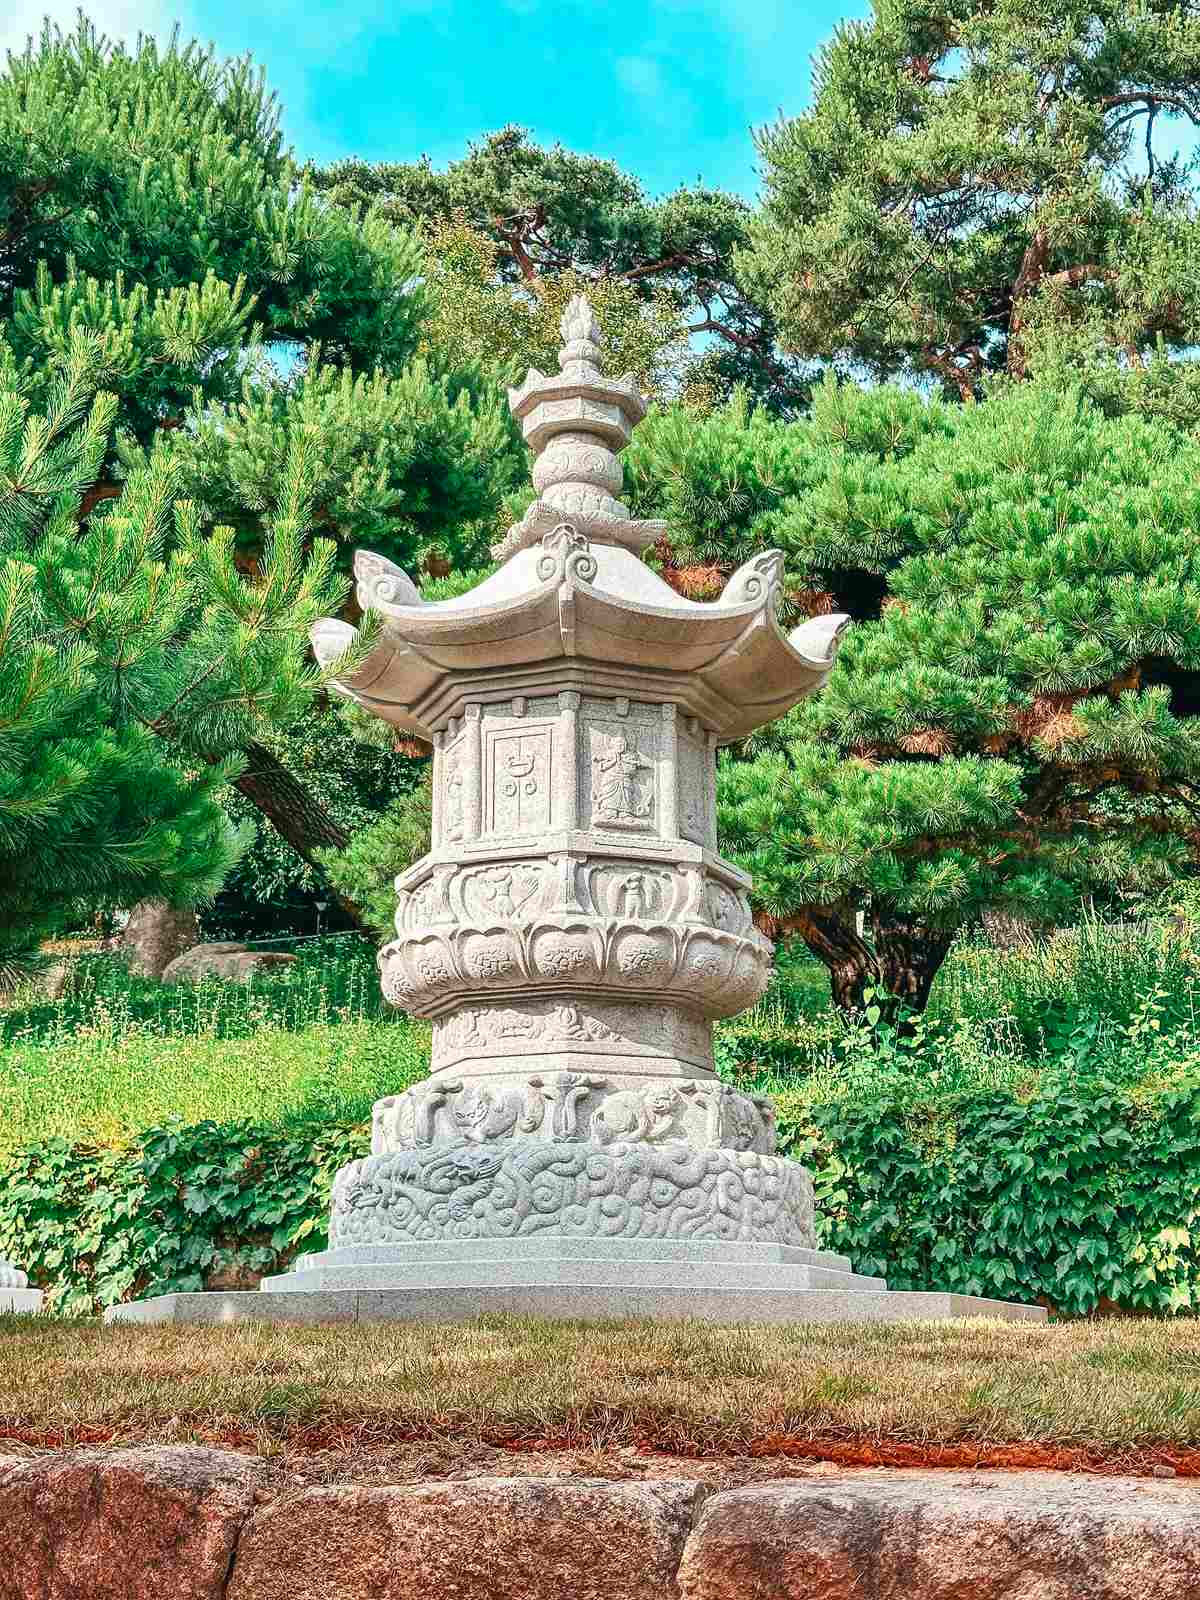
(574, 933)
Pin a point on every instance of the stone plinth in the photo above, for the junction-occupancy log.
(574, 933)
(15, 1293)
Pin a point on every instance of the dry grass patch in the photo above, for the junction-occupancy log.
(1106, 1391)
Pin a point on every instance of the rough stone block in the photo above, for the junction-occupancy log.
(947, 1536)
(155, 1524)
(235, 963)
(485, 1539)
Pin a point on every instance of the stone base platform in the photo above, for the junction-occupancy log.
(562, 1277)
(26, 1301)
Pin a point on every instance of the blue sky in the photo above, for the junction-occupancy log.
(670, 89)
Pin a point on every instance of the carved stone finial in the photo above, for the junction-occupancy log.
(575, 422)
(581, 333)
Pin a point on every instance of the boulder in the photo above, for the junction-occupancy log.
(947, 1536)
(155, 935)
(236, 963)
(480, 1539)
(153, 1524)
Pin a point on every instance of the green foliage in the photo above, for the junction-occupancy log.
(117, 1054)
(259, 345)
(1084, 1195)
(165, 164)
(133, 656)
(366, 870)
(271, 890)
(514, 227)
(410, 464)
(183, 1209)
(976, 190)
(1011, 721)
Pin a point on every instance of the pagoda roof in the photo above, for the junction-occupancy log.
(567, 613)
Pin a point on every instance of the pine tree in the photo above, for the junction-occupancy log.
(133, 657)
(515, 228)
(233, 311)
(1014, 719)
(976, 189)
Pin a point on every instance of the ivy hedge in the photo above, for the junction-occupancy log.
(207, 1206)
(1085, 1197)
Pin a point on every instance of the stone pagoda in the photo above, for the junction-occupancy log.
(574, 933)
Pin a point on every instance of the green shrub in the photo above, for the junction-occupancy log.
(1084, 1197)
(182, 1209)
(333, 980)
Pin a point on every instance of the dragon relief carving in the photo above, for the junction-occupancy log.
(520, 1187)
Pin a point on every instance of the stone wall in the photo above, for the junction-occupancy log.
(182, 1523)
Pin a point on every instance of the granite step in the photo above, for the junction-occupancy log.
(729, 1305)
(559, 1246)
(681, 1274)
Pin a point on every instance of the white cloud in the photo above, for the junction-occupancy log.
(119, 19)
(642, 76)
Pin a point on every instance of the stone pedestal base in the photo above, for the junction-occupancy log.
(539, 1228)
(570, 1277)
(518, 1189)
(20, 1300)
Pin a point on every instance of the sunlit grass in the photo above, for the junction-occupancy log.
(1122, 1383)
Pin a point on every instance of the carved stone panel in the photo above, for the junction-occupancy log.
(546, 1026)
(506, 892)
(694, 781)
(517, 775)
(453, 780)
(619, 763)
(630, 890)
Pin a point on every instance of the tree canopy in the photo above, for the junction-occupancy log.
(515, 228)
(977, 189)
(1012, 721)
(134, 657)
(235, 315)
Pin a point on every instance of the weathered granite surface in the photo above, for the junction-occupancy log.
(181, 1523)
(226, 959)
(143, 1524)
(511, 1188)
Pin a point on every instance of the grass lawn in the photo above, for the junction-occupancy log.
(411, 1401)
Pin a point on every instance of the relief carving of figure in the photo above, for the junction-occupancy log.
(565, 1022)
(723, 908)
(619, 793)
(504, 890)
(453, 792)
(480, 1115)
(636, 1115)
(463, 1029)
(638, 895)
(744, 1125)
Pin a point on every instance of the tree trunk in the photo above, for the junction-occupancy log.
(909, 953)
(295, 814)
(830, 935)
(155, 934)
